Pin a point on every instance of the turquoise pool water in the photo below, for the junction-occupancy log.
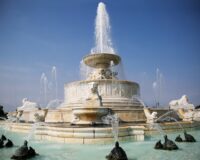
(135, 150)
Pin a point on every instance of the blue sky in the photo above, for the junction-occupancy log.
(148, 34)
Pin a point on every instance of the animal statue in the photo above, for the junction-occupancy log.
(179, 139)
(21, 152)
(189, 137)
(158, 145)
(3, 138)
(169, 144)
(28, 105)
(151, 117)
(24, 152)
(182, 101)
(117, 153)
(31, 152)
(189, 115)
(39, 118)
(9, 143)
(102, 74)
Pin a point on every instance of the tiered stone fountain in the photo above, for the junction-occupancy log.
(80, 119)
(102, 92)
(87, 104)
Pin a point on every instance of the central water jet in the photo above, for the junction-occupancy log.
(102, 31)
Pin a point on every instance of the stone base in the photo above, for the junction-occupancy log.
(29, 116)
(59, 115)
(86, 135)
(92, 135)
(89, 115)
(65, 115)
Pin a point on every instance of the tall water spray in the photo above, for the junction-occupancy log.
(102, 31)
(157, 87)
(43, 88)
(54, 79)
(103, 43)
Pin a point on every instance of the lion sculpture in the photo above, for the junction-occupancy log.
(28, 105)
(183, 102)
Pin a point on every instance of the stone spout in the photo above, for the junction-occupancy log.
(186, 116)
(151, 117)
(181, 113)
(19, 114)
(41, 117)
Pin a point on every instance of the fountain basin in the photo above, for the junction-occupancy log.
(101, 60)
(89, 115)
(55, 150)
(117, 93)
(64, 133)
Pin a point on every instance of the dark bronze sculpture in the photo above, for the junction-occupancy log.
(179, 139)
(117, 153)
(167, 145)
(24, 152)
(189, 137)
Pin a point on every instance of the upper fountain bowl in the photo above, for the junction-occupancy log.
(101, 60)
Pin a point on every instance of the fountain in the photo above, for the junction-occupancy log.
(100, 105)
(89, 104)
(101, 108)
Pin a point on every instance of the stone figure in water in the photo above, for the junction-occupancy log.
(183, 102)
(189, 137)
(3, 138)
(158, 145)
(179, 139)
(28, 105)
(24, 152)
(31, 152)
(151, 117)
(9, 143)
(117, 153)
(169, 144)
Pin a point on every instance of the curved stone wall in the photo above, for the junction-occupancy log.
(113, 92)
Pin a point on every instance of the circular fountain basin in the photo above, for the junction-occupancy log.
(135, 150)
(101, 60)
(117, 95)
(89, 115)
(114, 93)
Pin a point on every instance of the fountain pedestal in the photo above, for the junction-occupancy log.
(91, 111)
(89, 115)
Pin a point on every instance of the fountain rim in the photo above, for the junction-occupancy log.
(93, 60)
(101, 80)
